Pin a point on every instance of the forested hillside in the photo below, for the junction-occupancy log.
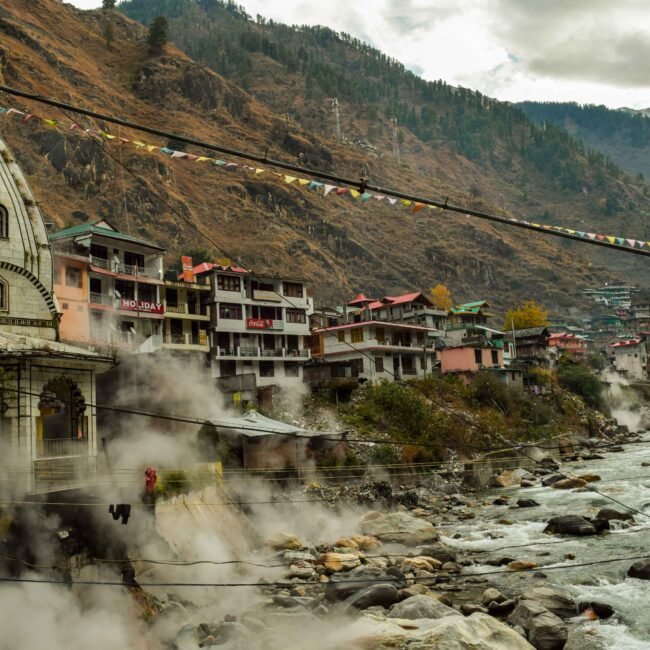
(622, 135)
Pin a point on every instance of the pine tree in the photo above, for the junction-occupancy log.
(157, 35)
(108, 5)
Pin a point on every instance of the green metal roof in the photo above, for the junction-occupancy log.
(92, 229)
(469, 307)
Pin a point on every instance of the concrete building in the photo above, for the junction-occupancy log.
(468, 359)
(259, 329)
(109, 285)
(631, 358)
(47, 388)
(414, 308)
(374, 350)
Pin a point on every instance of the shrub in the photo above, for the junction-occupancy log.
(580, 380)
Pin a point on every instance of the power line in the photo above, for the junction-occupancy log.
(362, 184)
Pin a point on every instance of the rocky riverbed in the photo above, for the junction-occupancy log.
(429, 566)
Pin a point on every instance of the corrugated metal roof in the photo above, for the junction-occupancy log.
(250, 423)
(93, 229)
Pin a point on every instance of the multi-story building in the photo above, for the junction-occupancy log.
(612, 295)
(468, 359)
(631, 357)
(463, 319)
(260, 325)
(374, 350)
(569, 344)
(108, 284)
(47, 388)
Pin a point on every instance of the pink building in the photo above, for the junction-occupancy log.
(570, 344)
(467, 360)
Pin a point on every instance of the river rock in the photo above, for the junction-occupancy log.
(501, 609)
(521, 565)
(570, 525)
(476, 632)
(640, 570)
(421, 607)
(437, 552)
(400, 527)
(382, 594)
(555, 599)
(601, 610)
(527, 503)
(335, 562)
(550, 480)
(610, 514)
(286, 542)
(545, 630)
(342, 585)
(492, 595)
(569, 483)
(510, 477)
(421, 562)
(302, 570)
(467, 609)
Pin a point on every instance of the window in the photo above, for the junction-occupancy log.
(95, 285)
(147, 292)
(98, 251)
(124, 289)
(72, 277)
(267, 369)
(4, 223)
(134, 259)
(228, 283)
(292, 289)
(291, 369)
(171, 296)
(4, 295)
(230, 311)
(477, 357)
(356, 336)
(341, 336)
(296, 316)
(379, 364)
(381, 335)
(495, 358)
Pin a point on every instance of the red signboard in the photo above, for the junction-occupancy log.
(259, 323)
(188, 269)
(147, 306)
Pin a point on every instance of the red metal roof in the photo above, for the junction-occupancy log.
(629, 342)
(378, 323)
(389, 301)
(360, 299)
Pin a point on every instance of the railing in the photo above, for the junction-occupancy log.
(57, 447)
(252, 351)
(100, 299)
(409, 371)
(176, 309)
(186, 308)
(187, 339)
(116, 266)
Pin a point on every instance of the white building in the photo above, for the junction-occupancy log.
(260, 325)
(375, 350)
(47, 389)
(631, 358)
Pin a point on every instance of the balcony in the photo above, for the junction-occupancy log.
(255, 352)
(100, 299)
(187, 309)
(113, 266)
(62, 447)
(187, 340)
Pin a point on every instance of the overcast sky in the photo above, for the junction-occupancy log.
(588, 51)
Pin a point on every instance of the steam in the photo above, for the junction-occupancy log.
(625, 405)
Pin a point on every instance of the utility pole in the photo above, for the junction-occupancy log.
(395, 140)
(337, 118)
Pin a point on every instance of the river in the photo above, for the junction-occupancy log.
(503, 531)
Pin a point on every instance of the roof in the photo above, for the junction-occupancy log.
(360, 299)
(20, 345)
(469, 307)
(96, 229)
(627, 343)
(528, 332)
(204, 267)
(390, 301)
(378, 323)
(255, 425)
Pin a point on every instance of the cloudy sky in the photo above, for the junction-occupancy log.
(589, 51)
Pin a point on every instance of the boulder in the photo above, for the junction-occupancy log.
(492, 595)
(421, 562)
(640, 570)
(421, 607)
(286, 542)
(569, 483)
(501, 609)
(527, 503)
(600, 610)
(555, 599)
(437, 552)
(467, 609)
(550, 480)
(476, 632)
(521, 565)
(545, 630)
(381, 594)
(610, 514)
(589, 478)
(510, 477)
(570, 525)
(335, 562)
(342, 585)
(400, 527)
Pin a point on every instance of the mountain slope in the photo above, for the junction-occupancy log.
(339, 245)
(623, 135)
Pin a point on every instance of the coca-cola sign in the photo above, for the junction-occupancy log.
(130, 304)
(259, 323)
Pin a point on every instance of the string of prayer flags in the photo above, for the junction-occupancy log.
(327, 189)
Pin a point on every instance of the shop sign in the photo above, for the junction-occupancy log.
(147, 306)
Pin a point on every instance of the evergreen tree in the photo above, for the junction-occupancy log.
(108, 5)
(157, 35)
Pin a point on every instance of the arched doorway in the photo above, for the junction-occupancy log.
(63, 424)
